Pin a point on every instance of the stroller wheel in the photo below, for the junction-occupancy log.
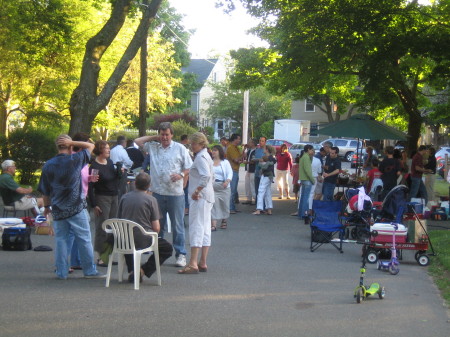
(353, 233)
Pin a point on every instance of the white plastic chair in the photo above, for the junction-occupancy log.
(124, 244)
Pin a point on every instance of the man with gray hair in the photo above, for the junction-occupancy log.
(169, 168)
(61, 187)
(15, 195)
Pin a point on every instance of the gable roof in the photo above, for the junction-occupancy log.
(202, 68)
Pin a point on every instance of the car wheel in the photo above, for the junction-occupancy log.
(348, 156)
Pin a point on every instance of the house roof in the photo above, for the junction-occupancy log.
(202, 68)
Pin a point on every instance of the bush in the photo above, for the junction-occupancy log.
(30, 149)
(185, 116)
(182, 128)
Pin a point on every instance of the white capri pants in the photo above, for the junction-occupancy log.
(200, 222)
(264, 194)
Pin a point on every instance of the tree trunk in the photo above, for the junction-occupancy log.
(4, 107)
(409, 103)
(143, 89)
(85, 103)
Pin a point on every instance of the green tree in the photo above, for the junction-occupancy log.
(87, 100)
(263, 106)
(39, 44)
(392, 47)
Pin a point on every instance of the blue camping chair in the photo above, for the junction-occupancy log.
(326, 223)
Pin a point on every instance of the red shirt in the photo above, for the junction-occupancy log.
(284, 161)
(417, 160)
(373, 174)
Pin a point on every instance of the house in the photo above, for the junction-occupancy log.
(306, 110)
(208, 71)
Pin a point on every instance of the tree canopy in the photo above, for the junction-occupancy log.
(392, 49)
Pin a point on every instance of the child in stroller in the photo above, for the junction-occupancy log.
(358, 214)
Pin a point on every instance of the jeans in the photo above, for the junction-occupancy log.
(303, 205)
(234, 186)
(328, 191)
(174, 206)
(78, 224)
(72, 250)
(417, 185)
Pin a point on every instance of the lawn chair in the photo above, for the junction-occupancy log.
(124, 244)
(326, 223)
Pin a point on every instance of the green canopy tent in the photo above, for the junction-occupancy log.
(362, 127)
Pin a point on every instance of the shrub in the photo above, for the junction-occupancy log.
(182, 128)
(30, 149)
(185, 116)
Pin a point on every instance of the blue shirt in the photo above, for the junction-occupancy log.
(61, 182)
(259, 153)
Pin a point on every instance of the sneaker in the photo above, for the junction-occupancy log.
(96, 275)
(181, 261)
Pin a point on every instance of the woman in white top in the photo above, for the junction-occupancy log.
(223, 174)
(316, 167)
(201, 200)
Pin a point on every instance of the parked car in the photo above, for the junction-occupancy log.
(362, 153)
(297, 148)
(440, 158)
(346, 146)
(276, 143)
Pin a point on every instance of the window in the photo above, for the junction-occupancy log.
(340, 142)
(313, 129)
(309, 106)
(353, 143)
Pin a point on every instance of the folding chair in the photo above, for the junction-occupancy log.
(124, 244)
(326, 223)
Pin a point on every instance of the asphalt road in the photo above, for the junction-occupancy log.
(262, 280)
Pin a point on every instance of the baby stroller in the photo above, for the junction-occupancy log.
(358, 214)
(394, 205)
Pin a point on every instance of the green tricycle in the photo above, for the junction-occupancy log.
(362, 291)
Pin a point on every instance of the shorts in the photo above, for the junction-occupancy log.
(25, 203)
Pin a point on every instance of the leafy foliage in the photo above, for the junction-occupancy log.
(30, 149)
(185, 116)
(263, 106)
(390, 48)
(181, 127)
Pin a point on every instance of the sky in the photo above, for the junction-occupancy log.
(216, 32)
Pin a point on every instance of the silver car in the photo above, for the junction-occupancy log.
(347, 147)
(297, 148)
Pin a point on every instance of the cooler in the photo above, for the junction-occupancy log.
(385, 232)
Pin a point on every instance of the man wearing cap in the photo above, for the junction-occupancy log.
(63, 196)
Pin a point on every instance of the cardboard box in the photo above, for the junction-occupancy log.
(415, 230)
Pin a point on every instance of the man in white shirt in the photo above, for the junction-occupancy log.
(169, 168)
(118, 154)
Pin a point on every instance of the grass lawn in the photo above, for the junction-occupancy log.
(440, 264)
(441, 187)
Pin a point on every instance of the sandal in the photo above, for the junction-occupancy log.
(213, 228)
(202, 269)
(223, 225)
(188, 270)
(256, 213)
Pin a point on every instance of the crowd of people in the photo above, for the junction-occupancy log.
(174, 179)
